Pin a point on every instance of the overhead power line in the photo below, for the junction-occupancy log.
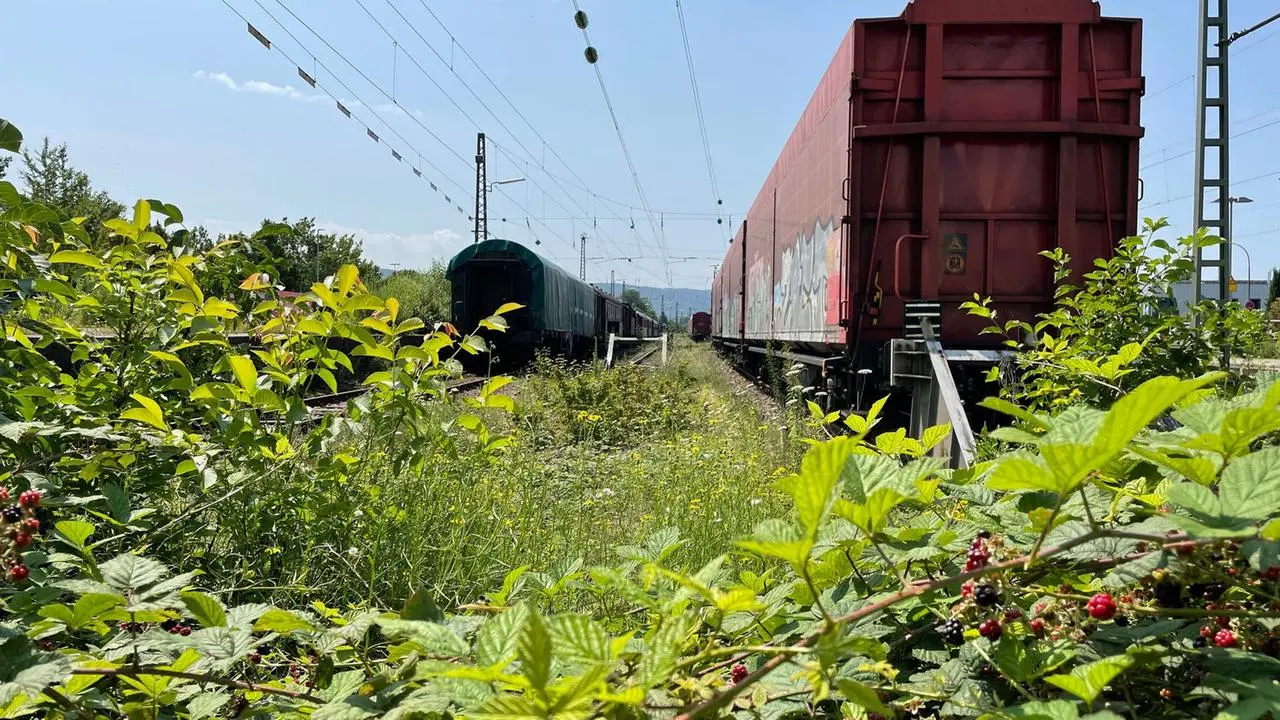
(314, 82)
(626, 152)
(697, 105)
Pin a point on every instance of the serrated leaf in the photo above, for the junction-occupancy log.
(1250, 487)
(34, 679)
(206, 609)
(1088, 681)
(224, 646)
(75, 532)
(433, 638)
(534, 651)
(663, 651)
(206, 704)
(497, 639)
(129, 573)
(580, 639)
(89, 607)
(281, 621)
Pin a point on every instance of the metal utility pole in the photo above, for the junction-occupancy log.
(1214, 43)
(1213, 133)
(610, 282)
(582, 258)
(482, 201)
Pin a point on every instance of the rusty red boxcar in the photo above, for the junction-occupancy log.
(942, 151)
(700, 325)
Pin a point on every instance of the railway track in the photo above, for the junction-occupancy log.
(337, 402)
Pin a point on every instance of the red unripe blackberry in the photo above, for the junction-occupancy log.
(30, 498)
(990, 629)
(739, 673)
(4, 493)
(1225, 639)
(1037, 626)
(1272, 573)
(18, 573)
(1206, 631)
(21, 540)
(31, 524)
(1101, 607)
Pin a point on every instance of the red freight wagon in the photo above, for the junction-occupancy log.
(942, 151)
(699, 325)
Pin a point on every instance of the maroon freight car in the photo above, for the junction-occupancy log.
(942, 151)
(700, 325)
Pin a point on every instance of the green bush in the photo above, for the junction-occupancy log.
(1102, 568)
(1112, 331)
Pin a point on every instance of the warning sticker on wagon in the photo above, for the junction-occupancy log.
(955, 253)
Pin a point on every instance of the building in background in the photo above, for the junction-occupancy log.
(1246, 291)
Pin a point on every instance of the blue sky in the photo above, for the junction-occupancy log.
(175, 100)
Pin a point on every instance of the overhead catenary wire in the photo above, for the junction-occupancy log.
(398, 44)
(617, 126)
(697, 105)
(314, 82)
(391, 97)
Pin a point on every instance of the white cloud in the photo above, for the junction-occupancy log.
(260, 87)
(411, 250)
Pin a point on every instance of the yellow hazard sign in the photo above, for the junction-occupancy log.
(1231, 285)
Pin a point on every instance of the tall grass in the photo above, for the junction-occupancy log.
(599, 458)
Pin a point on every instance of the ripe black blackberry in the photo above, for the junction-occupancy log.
(12, 514)
(952, 632)
(1169, 594)
(986, 595)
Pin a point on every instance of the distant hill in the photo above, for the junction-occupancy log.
(687, 298)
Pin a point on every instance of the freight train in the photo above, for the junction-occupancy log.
(942, 151)
(562, 315)
(700, 326)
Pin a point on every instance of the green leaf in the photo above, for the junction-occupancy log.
(245, 372)
(420, 606)
(281, 621)
(10, 136)
(141, 215)
(1037, 710)
(347, 276)
(1088, 681)
(861, 695)
(497, 639)
(1023, 471)
(580, 639)
(507, 307)
(534, 651)
(1140, 408)
(433, 638)
(1272, 530)
(34, 679)
(207, 609)
(89, 607)
(815, 488)
(223, 646)
(206, 704)
(149, 412)
(76, 257)
(1250, 487)
(1007, 408)
(130, 573)
(663, 650)
(75, 532)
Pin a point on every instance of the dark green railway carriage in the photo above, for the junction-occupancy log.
(560, 313)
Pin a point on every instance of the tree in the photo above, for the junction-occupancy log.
(632, 297)
(423, 294)
(301, 254)
(52, 180)
(4, 165)
(1274, 293)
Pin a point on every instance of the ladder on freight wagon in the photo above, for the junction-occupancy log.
(920, 363)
